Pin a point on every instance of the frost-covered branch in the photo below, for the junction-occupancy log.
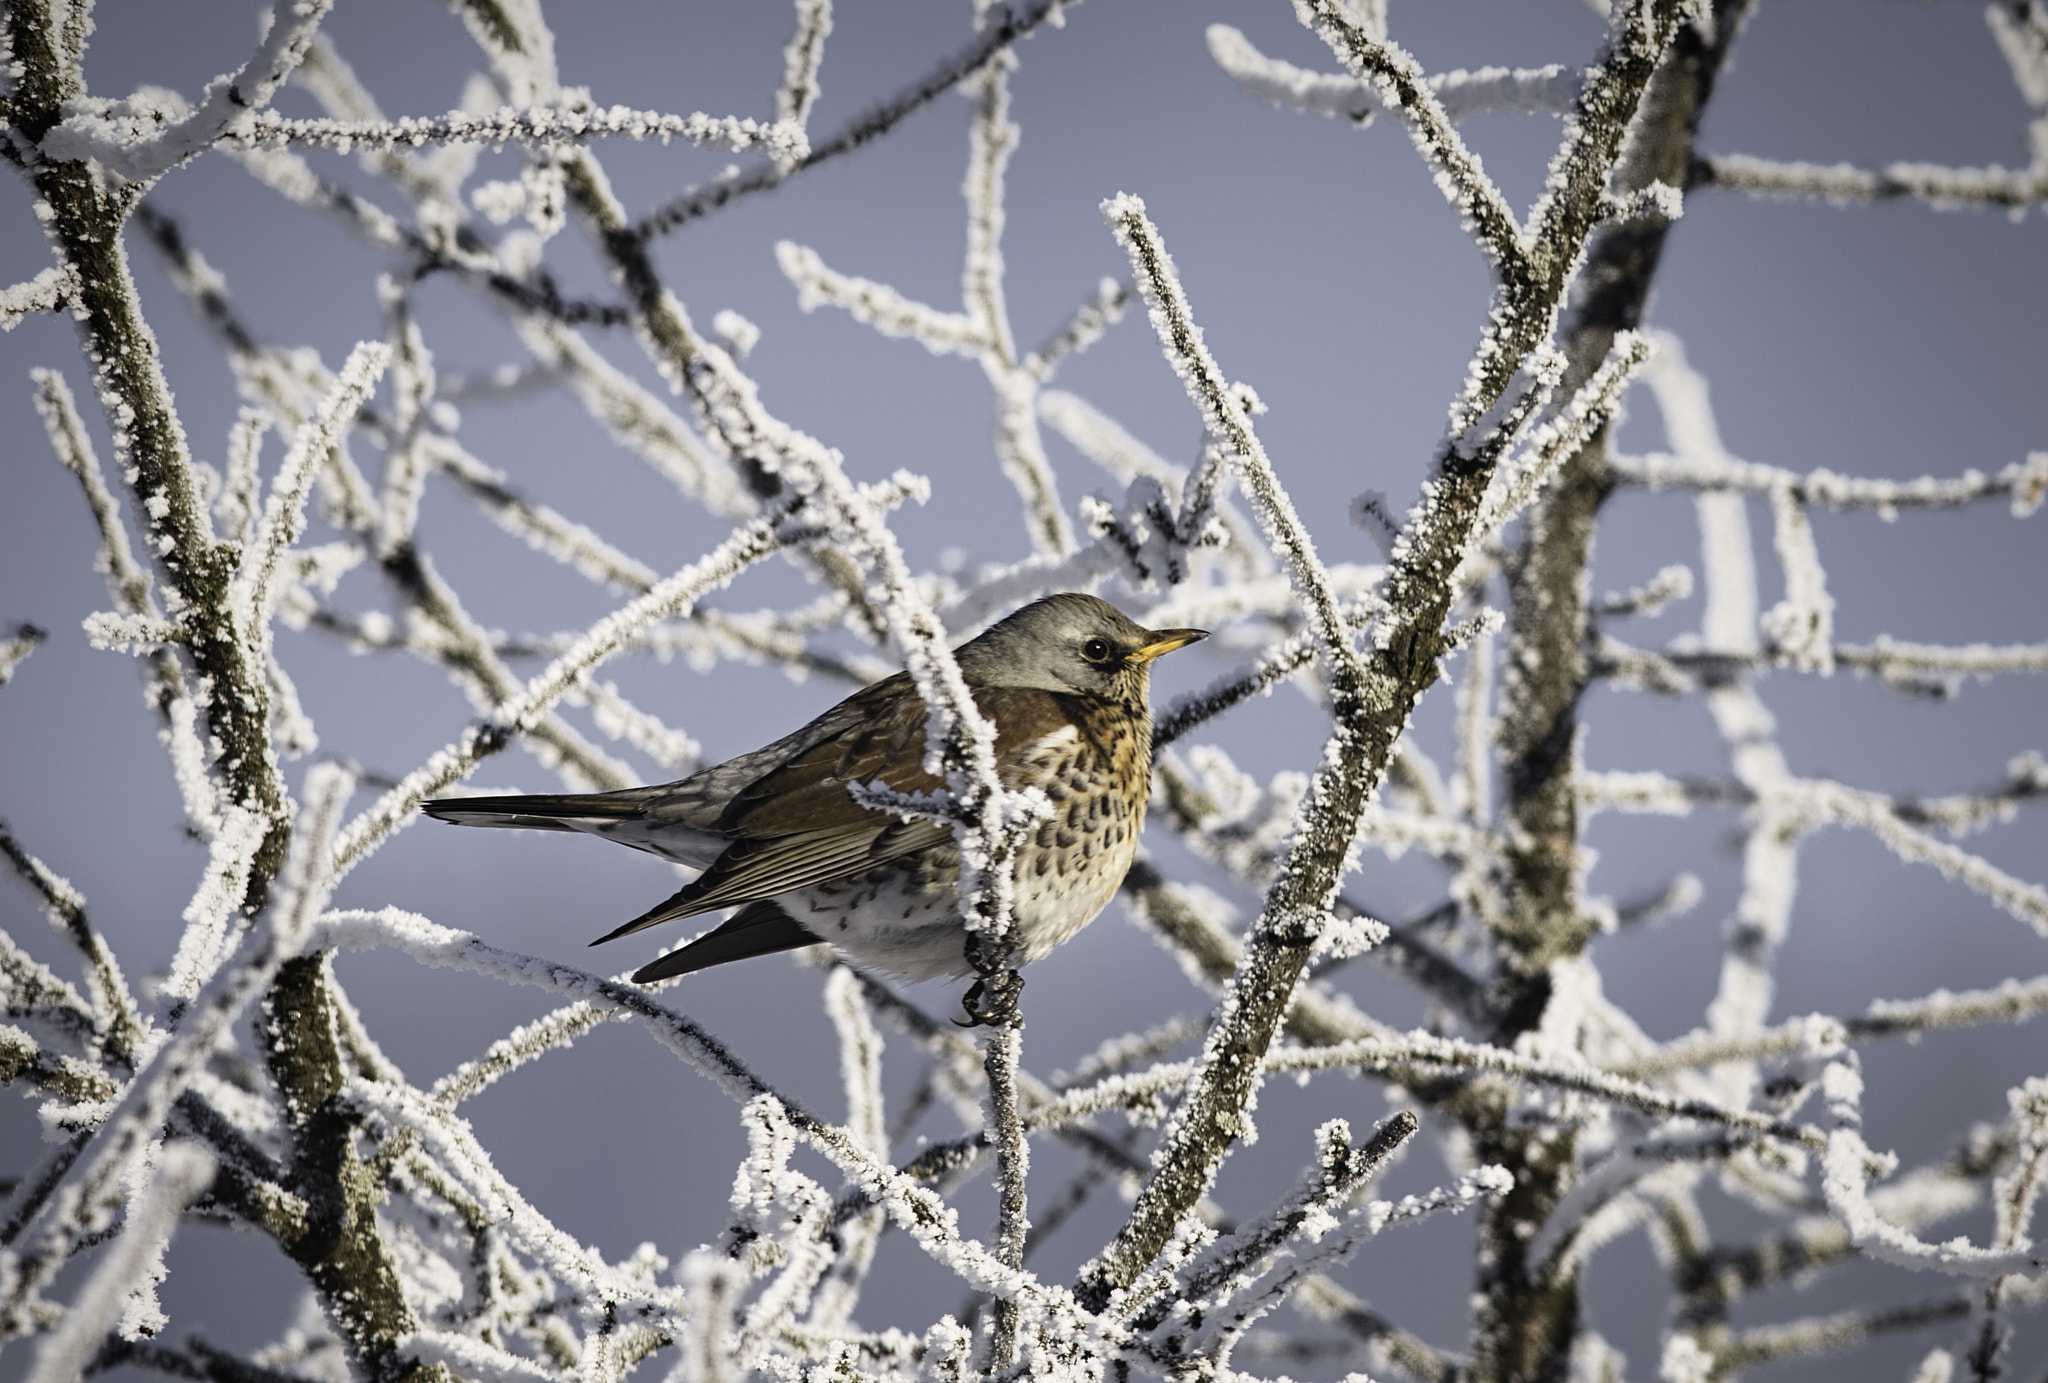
(48, 291)
(1080, 331)
(539, 127)
(1946, 188)
(876, 304)
(1338, 1171)
(1194, 708)
(2014, 1197)
(284, 512)
(16, 647)
(2022, 38)
(2025, 482)
(1417, 1051)
(981, 329)
(1013, 1162)
(140, 141)
(1226, 416)
(149, 441)
(2012, 1001)
(1522, 477)
(182, 1172)
(1826, 1334)
(128, 579)
(1371, 712)
(1917, 668)
(1533, 90)
(909, 1205)
(1344, 1239)
(117, 1021)
(801, 60)
(1387, 1345)
(523, 1044)
(1397, 80)
(82, 1200)
(1001, 26)
(517, 714)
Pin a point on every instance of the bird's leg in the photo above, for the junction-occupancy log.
(991, 1001)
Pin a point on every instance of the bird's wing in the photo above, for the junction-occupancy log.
(798, 825)
(702, 799)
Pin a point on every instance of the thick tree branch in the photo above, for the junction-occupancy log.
(1371, 713)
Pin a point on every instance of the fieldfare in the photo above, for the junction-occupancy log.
(778, 834)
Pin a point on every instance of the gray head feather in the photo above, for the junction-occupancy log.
(1069, 643)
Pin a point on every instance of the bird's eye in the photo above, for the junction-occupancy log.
(1095, 650)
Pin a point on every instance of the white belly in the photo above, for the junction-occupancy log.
(905, 919)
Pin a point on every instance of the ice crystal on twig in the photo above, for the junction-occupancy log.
(46, 292)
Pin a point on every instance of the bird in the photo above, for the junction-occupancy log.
(778, 833)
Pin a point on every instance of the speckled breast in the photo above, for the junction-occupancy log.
(904, 917)
(1098, 774)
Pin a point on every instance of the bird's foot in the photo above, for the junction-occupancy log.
(991, 1001)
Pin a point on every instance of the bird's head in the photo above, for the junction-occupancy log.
(1074, 644)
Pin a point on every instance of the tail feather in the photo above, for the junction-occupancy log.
(759, 929)
(538, 811)
(624, 817)
(676, 905)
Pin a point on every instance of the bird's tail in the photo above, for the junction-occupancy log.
(562, 811)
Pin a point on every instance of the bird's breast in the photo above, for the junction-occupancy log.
(1077, 858)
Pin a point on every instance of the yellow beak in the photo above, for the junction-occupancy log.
(1165, 641)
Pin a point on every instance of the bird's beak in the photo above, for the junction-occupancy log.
(1165, 641)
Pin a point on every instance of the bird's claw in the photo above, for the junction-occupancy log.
(991, 1001)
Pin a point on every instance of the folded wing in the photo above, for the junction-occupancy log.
(799, 826)
(759, 929)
